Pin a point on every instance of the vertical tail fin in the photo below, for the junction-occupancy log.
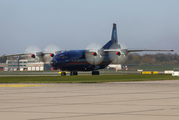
(114, 34)
(113, 38)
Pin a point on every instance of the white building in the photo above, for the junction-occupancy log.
(24, 65)
(115, 66)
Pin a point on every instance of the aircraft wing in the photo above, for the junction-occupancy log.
(18, 54)
(115, 50)
(38, 53)
(149, 50)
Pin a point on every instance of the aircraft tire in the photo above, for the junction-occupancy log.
(73, 73)
(95, 72)
(63, 74)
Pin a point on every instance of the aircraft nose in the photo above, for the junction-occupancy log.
(53, 61)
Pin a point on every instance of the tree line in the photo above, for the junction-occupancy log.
(152, 59)
(3, 59)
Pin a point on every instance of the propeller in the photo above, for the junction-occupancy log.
(52, 50)
(118, 53)
(34, 52)
(94, 54)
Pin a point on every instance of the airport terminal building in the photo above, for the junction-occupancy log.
(24, 65)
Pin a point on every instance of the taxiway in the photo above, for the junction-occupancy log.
(156, 100)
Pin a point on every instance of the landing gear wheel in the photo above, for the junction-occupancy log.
(73, 73)
(95, 73)
(76, 73)
(63, 74)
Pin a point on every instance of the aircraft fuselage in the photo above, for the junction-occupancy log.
(75, 60)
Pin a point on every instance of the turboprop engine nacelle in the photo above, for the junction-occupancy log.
(120, 56)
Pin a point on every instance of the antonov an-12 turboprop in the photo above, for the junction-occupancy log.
(93, 58)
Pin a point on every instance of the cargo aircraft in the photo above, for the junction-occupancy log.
(93, 58)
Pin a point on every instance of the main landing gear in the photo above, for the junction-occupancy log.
(95, 72)
(73, 73)
(63, 73)
(76, 73)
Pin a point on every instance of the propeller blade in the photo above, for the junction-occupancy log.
(51, 50)
(118, 53)
(94, 54)
(33, 52)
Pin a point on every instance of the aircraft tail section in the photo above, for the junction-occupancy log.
(113, 38)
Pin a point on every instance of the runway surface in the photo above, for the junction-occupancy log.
(152, 100)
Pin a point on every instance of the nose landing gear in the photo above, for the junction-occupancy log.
(63, 73)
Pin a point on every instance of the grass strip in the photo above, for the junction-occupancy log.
(85, 79)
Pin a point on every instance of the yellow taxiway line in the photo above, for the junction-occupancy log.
(20, 85)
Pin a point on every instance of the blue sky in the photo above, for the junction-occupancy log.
(74, 24)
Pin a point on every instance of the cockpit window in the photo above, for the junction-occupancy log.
(61, 56)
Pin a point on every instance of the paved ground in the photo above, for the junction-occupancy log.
(157, 100)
